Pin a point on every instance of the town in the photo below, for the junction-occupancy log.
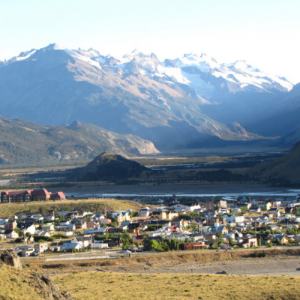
(169, 225)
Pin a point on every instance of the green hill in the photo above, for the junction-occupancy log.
(108, 166)
(23, 141)
(283, 171)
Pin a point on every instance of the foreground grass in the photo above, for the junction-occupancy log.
(14, 284)
(100, 285)
(96, 205)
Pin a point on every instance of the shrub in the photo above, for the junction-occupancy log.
(259, 254)
(19, 240)
(60, 235)
(37, 238)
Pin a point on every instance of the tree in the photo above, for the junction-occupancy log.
(42, 210)
(114, 224)
(153, 245)
(229, 228)
(125, 245)
(231, 242)
(193, 226)
(259, 242)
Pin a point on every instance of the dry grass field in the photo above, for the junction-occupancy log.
(94, 205)
(103, 285)
(13, 286)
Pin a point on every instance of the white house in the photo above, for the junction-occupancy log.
(67, 233)
(234, 218)
(274, 211)
(68, 246)
(30, 229)
(48, 227)
(84, 241)
(145, 212)
(191, 206)
(11, 234)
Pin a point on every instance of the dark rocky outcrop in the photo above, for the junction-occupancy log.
(108, 166)
(11, 258)
(39, 285)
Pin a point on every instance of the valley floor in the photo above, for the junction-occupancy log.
(93, 189)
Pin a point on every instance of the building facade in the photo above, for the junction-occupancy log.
(30, 195)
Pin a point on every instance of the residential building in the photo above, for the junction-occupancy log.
(80, 225)
(48, 227)
(40, 247)
(11, 234)
(30, 195)
(191, 206)
(135, 227)
(194, 246)
(274, 211)
(181, 223)
(145, 212)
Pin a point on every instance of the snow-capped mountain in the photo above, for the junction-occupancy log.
(192, 70)
(175, 103)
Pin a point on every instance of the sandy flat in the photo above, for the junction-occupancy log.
(251, 266)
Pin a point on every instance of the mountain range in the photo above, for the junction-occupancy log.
(187, 102)
(23, 141)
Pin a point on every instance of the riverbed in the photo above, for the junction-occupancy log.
(226, 191)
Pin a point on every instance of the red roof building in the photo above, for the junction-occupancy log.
(30, 195)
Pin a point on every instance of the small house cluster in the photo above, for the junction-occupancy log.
(243, 223)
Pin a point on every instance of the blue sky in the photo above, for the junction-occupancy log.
(264, 33)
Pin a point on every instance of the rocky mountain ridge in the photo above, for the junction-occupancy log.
(23, 141)
(181, 103)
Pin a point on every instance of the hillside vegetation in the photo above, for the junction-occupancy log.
(282, 171)
(96, 205)
(108, 166)
(23, 142)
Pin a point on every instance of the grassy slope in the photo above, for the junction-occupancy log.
(12, 285)
(68, 205)
(98, 285)
(286, 167)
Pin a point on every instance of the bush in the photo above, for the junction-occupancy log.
(19, 240)
(37, 238)
(60, 235)
(153, 245)
(153, 227)
(259, 254)
(231, 242)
